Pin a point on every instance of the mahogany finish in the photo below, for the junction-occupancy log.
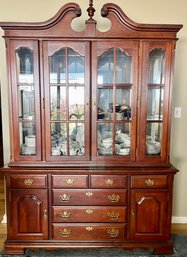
(100, 176)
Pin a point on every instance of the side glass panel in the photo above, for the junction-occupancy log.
(124, 67)
(26, 101)
(155, 102)
(114, 91)
(67, 103)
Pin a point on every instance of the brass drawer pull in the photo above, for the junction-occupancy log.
(64, 198)
(45, 215)
(113, 198)
(113, 215)
(64, 215)
(89, 228)
(89, 194)
(113, 232)
(89, 211)
(109, 182)
(70, 182)
(133, 212)
(28, 182)
(65, 232)
(149, 182)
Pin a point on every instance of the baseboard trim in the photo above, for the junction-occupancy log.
(177, 219)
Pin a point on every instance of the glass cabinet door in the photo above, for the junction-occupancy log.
(25, 90)
(155, 90)
(114, 100)
(67, 100)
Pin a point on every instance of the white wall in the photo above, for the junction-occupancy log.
(144, 11)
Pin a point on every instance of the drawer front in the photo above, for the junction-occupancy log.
(70, 181)
(89, 232)
(89, 214)
(28, 181)
(89, 197)
(108, 181)
(149, 181)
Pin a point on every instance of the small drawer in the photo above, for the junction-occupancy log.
(149, 181)
(89, 232)
(89, 214)
(70, 181)
(28, 181)
(108, 181)
(89, 197)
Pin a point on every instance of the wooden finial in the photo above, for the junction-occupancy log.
(90, 10)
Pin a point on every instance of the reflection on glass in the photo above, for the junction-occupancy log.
(26, 102)
(105, 138)
(27, 135)
(155, 104)
(24, 59)
(58, 138)
(75, 67)
(76, 103)
(76, 138)
(105, 104)
(58, 102)
(106, 68)
(57, 63)
(157, 66)
(153, 138)
(123, 68)
(122, 139)
(123, 104)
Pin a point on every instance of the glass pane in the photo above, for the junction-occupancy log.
(155, 104)
(58, 138)
(105, 104)
(123, 68)
(106, 68)
(58, 102)
(157, 66)
(123, 104)
(76, 138)
(153, 138)
(24, 59)
(105, 138)
(57, 67)
(75, 67)
(26, 102)
(27, 135)
(122, 139)
(76, 103)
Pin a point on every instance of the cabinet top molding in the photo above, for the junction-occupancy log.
(59, 26)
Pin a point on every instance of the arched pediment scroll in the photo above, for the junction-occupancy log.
(123, 26)
(61, 22)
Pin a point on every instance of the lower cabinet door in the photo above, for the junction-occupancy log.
(149, 217)
(29, 214)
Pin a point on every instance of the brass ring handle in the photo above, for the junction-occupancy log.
(113, 232)
(64, 215)
(28, 182)
(64, 198)
(65, 232)
(113, 198)
(149, 182)
(113, 215)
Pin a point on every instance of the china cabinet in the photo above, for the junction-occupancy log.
(90, 117)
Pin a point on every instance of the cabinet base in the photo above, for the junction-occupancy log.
(18, 248)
